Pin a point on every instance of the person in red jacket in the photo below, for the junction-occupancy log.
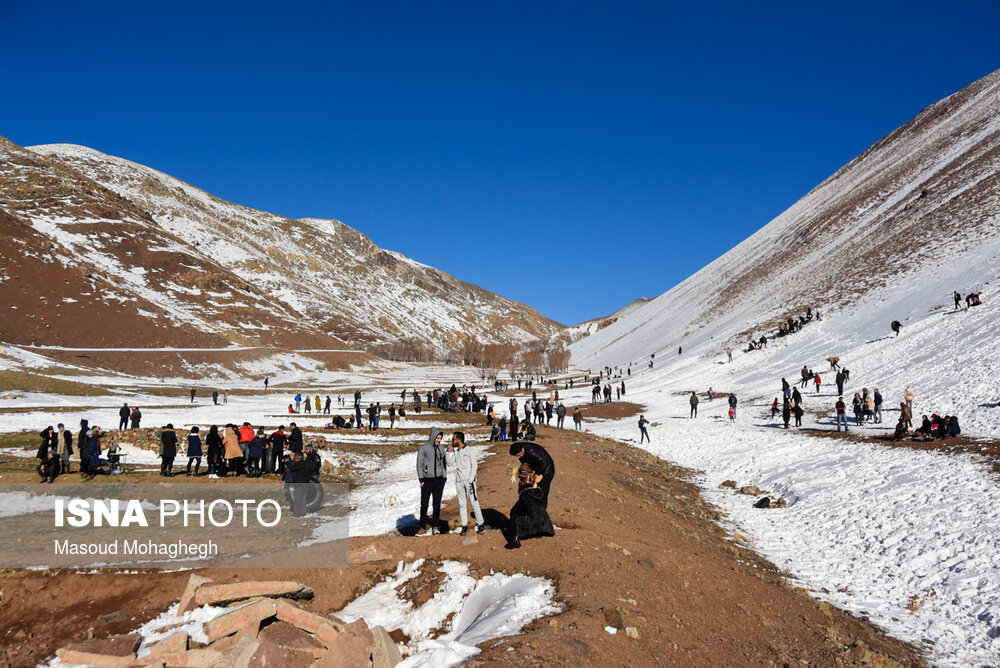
(818, 381)
(246, 434)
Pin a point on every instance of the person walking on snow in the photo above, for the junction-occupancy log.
(694, 404)
(818, 381)
(432, 471)
(643, 434)
(463, 461)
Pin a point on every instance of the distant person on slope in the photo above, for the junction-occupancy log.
(895, 326)
(842, 414)
(732, 407)
(818, 381)
(694, 404)
(136, 417)
(643, 434)
(786, 413)
(123, 415)
(798, 412)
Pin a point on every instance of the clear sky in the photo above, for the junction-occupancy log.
(570, 155)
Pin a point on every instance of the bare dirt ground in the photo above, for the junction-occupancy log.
(637, 547)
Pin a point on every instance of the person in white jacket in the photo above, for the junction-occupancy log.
(463, 461)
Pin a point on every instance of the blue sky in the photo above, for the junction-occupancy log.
(572, 156)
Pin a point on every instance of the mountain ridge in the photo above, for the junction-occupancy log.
(242, 275)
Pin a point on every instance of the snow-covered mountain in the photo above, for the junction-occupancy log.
(888, 237)
(158, 262)
(588, 327)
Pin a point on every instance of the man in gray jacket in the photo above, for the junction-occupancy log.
(560, 415)
(463, 460)
(432, 471)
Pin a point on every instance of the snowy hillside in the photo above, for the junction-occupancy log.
(577, 332)
(888, 237)
(902, 534)
(176, 257)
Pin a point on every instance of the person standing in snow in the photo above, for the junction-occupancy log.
(392, 415)
(909, 396)
(295, 438)
(193, 392)
(432, 471)
(858, 409)
(895, 326)
(732, 407)
(694, 404)
(402, 416)
(578, 419)
(215, 397)
(958, 300)
(319, 405)
(123, 416)
(136, 417)
(643, 434)
(818, 381)
(797, 412)
(214, 443)
(729, 353)
(64, 447)
(463, 461)
(905, 414)
(877, 406)
(194, 451)
(840, 382)
(786, 413)
(168, 450)
(267, 382)
(326, 407)
(560, 415)
(298, 402)
(796, 396)
(842, 414)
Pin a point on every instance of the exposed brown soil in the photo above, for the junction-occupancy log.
(611, 411)
(638, 547)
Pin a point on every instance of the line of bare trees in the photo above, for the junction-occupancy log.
(520, 359)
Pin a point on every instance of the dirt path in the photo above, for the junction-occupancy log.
(637, 547)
